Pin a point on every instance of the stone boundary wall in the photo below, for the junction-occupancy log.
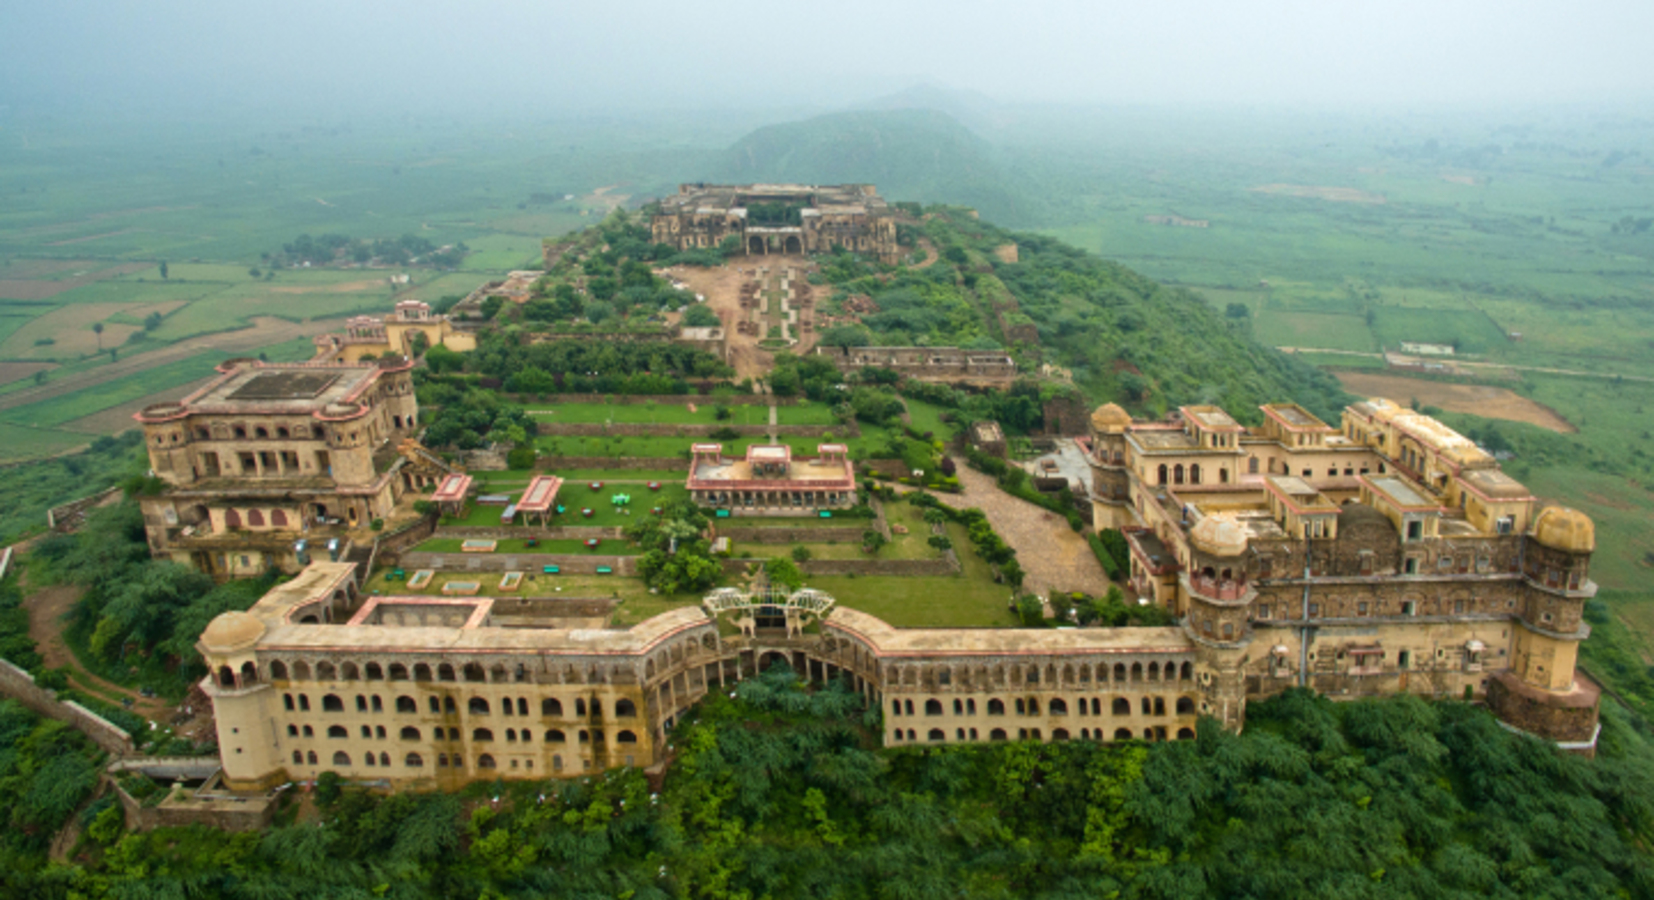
(20, 685)
(390, 546)
(676, 399)
(666, 429)
(518, 607)
(533, 563)
(909, 568)
(753, 535)
(510, 532)
(69, 516)
(619, 463)
(224, 811)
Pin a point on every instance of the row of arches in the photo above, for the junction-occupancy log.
(1056, 706)
(473, 672)
(1067, 675)
(1177, 474)
(624, 708)
(938, 735)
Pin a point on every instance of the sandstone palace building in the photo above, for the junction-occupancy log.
(270, 463)
(1391, 555)
(779, 218)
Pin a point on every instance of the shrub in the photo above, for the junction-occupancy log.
(801, 554)
(521, 457)
(377, 525)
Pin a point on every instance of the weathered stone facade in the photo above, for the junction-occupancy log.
(938, 365)
(849, 216)
(1390, 555)
(267, 455)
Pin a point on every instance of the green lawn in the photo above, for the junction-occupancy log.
(672, 446)
(968, 600)
(928, 417)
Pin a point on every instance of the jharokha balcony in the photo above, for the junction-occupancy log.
(1221, 589)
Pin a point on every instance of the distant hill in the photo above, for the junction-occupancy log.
(911, 154)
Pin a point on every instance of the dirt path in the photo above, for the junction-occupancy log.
(1052, 555)
(930, 254)
(264, 332)
(1478, 365)
(46, 608)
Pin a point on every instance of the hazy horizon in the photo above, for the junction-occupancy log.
(187, 59)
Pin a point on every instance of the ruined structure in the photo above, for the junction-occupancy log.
(1389, 555)
(271, 462)
(392, 335)
(938, 365)
(779, 218)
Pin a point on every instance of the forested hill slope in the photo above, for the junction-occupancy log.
(1126, 337)
(911, 154)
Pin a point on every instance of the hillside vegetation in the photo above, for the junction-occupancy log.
(776, 792)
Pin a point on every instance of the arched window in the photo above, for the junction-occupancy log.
(522, 706)
(232, 519)
(1160, 706)
(1162, 473)
(626, 737)
(1194, 473)
(304, 703)
(1059, 707)
(310, 758)
(937, 734)
(481, 734)
(933, 707)
(413, 761)
(398, 672)
(1177, 474)
(373, 672)
(361, 703)
(998, 734)
(332, 703)
(278, 671)
(378, 705)
(478, 706)
(287, 702)
(406, 705)
(341, 758)
(308, 732)
(448, 707)
(421, 672)
(555, 736)
(485, 761)
(1185, 706)
(368, 758)
(511, 735)
(292, 731)
(473, 672)
(1148, 708)
(580, 707)
(996, 707)
(444, 672)
(1122, 734)
(410, 733)
(625, 709)
(551, 707)
(1187, 671)
(1185, 734)
(324, 671)
(442, 760)
(255, 518)
(1119, 672)
(1122, 706)
(298, 758)
(337, 731)
(261, 432)
(1059, 734)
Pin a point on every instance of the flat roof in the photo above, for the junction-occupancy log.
(1295, 417)
(1494, 484)
(890, 641)
(453, 488)
(1399, 492)
(1213, 417)
(540, 495)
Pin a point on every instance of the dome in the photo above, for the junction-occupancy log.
(1568, 530)
(1109, 416)
(232, 631)
(1218, 536)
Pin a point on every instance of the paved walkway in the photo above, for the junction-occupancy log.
(1053, 556)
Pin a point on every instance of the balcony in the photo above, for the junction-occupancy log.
(1216, 589)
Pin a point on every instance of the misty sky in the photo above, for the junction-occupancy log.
(450, 56)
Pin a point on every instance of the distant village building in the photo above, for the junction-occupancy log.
(392, 335)
(940, 365)
(849, 216)
(1422, 349)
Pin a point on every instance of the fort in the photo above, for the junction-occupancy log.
(778, 219)
(397, 334)
(1387, 556)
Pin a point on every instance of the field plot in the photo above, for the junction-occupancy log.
(1335, 194)
(503, 252)
(1475, 399)
(46, 279)
(1468, 330)
(66, 332)
(1326, 331)
(22, 442)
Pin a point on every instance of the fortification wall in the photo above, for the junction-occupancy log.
(20, 686)
(569, 563)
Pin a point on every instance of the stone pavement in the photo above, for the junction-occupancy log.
(1052, 555)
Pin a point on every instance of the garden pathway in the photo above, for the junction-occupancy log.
(1052, 555)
